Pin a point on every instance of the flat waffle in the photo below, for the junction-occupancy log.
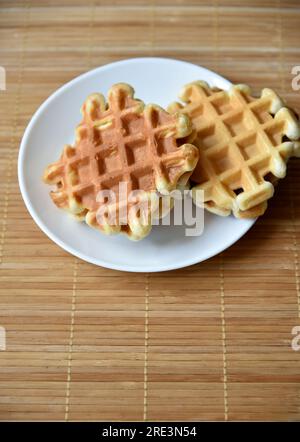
(244, 144)
(121, 141)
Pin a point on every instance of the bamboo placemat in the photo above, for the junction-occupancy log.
(212, 341)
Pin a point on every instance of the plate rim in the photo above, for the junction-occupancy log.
(58, 241)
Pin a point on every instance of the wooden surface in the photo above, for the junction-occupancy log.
(212, 341)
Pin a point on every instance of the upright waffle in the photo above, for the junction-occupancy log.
(244, 144)
(126, 142)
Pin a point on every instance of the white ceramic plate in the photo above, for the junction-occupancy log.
(155, 80)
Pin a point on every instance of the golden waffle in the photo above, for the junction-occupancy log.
(121, 141)
(244, 144)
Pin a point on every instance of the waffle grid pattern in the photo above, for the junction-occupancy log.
(241, 146)
(123, 142)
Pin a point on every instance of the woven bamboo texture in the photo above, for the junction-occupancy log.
(209, 342)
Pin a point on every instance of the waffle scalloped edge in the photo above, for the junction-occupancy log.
(273, 131)
(140, 134)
